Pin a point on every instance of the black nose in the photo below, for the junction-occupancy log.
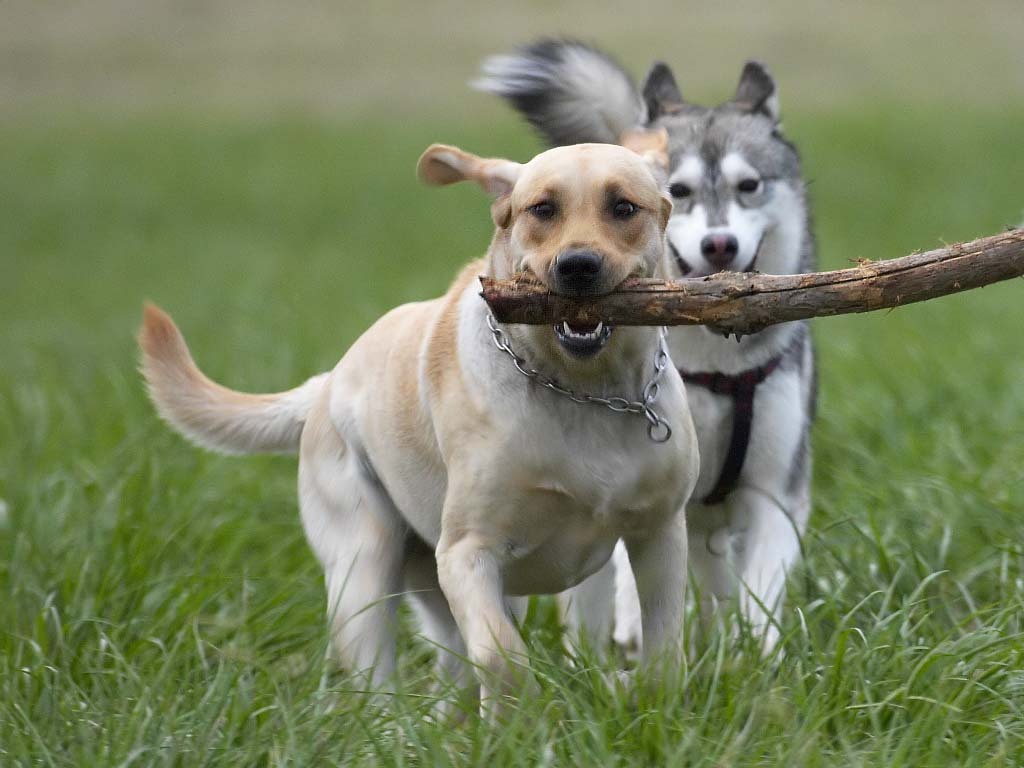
(719, 249)
(577, 271)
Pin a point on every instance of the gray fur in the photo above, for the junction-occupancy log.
(571, 93)
(800, 466)
(660, 92)
(756, 90)
(712, 132)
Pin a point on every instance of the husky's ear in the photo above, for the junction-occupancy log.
(756, 90)
(442, 164)
(660, 92)
(652, 146)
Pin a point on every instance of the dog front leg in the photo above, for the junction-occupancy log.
(438, 626)
(470, 577)
(659, 567)
(768, 546)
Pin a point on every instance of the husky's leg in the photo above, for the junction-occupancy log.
(628, 633)
(711, 563)
(767, 546)
(360, 540)
(518, 607)
(588, 610)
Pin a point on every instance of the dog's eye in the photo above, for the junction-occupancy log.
(543, 210)
(679, 190)
(623, 209)
(749, 185)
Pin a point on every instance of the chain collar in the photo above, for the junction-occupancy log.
(657, 428)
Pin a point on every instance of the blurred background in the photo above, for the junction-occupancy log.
(349, 60)
(261, 150)
(249, 166)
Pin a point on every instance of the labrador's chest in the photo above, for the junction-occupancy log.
(603, 463)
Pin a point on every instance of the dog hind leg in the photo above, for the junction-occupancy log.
(360, 540)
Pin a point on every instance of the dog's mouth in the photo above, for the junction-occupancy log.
(583, 339)
(682, 264)
(686, 269)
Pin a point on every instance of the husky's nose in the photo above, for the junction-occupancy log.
(719, 249)
(578, 272)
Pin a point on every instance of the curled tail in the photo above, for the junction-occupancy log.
(570, 92)
(208, 414)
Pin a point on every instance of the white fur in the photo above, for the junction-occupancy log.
(748, 225)
(741, 549)
(685, 231)
(689, 171)
(735, 169)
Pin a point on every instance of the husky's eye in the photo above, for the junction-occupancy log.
(542, 210)
(679, 190)
(749, 185)
(624, 209)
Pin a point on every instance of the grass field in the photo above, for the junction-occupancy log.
(159, 604)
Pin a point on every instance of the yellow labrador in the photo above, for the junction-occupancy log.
(431, 466)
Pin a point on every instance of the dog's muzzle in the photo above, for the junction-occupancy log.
(577, 272)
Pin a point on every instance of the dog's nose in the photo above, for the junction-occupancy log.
(719, 249)
(578, 271)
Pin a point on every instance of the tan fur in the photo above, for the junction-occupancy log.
(207, 413)
(425, 440)
(652, 145)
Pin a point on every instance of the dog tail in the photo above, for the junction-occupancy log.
(570, 92)
(208, 414)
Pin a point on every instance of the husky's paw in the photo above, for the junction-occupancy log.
(628, 634)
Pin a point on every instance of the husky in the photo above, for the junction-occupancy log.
(739, 204)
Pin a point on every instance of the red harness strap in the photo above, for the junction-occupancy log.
(741, 388)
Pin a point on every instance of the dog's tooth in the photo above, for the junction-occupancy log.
(600, 327)
(566, 329)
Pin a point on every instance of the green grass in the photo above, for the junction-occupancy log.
(159, 604)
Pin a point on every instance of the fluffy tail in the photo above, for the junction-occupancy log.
(208, 414)
(570, 92)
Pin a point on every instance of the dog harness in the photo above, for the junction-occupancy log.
(741, 387)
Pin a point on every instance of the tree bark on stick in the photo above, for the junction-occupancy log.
(745, 303)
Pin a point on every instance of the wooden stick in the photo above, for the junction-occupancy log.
(746, 303)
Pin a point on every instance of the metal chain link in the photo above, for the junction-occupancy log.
(657, 427)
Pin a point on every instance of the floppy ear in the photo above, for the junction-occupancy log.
(652, 146)
(660, 92)
(756, 90)
(442, 164)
